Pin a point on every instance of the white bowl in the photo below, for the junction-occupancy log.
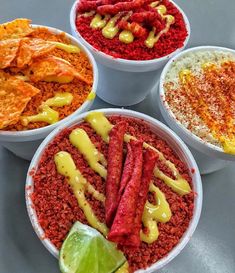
(123, 64)
(211, 156)
(122, 82)
(25, 143)
(163, 132)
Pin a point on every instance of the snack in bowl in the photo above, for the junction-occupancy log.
(132, 29)
(112, 170)
(197, 90)
(46, 77)
(43, 77)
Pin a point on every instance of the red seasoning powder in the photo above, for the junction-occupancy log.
(57, 208)
(137, 50)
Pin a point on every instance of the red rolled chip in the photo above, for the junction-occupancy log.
(150, 158)
(121, 6)
(114, 170)
(127, 170)
(123, 222)
(85, 5)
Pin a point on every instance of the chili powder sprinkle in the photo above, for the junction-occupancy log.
(201, 95)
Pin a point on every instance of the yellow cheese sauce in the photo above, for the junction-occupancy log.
(100, 124)
(68, 48)
(154, 4)
(60, 100)
(153, 214)
(47, 114)
(126, 37)
(110, 28)
(228, 146)
(82, 142)
(66, 167)
(98, 21)
(91, 96)
(153, 38)
(59, 79)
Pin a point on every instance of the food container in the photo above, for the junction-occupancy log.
(125, 82)
(163, 132)
(209, 157)
(25, 143)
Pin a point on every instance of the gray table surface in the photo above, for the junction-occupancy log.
(212, 248)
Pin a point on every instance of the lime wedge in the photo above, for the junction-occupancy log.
(86, 250)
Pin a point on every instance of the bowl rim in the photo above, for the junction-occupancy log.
(167, 110)
(196, 179)
(122, 61)
(85, 104)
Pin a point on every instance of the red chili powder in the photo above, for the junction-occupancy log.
(57, 208)
(137, 50)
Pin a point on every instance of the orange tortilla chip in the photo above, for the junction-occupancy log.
(32, 48)
(8, 52)
(14, 96)
(53, 69)
(15, 29)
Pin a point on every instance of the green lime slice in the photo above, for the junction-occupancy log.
(86, 250)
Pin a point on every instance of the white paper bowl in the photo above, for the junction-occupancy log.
(210, 157)
(162, 131)
(125, 82)
(25, 143)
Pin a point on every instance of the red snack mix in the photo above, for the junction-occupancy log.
(57, 207)
(132, 30)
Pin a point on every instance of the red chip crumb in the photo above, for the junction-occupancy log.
(57, 208)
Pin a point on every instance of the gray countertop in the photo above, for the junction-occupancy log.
(212, 248)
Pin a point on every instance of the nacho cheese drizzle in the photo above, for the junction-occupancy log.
(59, 100)
(82, 142)
(66, 167)
(153, 214)
(91, 96)
(67, 48)
(100, 124)
(110, 27)
(153, 38)
(47, 114)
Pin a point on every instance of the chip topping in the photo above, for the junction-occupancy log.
(15, 29)
(8, 51)
(53, 69)
(14, 96)
(37, 66)
(32, 48)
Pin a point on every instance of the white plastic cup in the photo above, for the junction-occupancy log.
(209, 157)
(25, 143)
(125, 82)
(163, 132)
